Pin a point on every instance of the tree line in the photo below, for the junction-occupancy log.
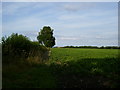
(96, 47)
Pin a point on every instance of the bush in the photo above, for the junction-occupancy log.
(15, 45)
(21, 47)
(38, 52)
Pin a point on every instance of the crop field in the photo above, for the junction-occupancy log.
(86, 67)
(67, 68)
(75, 54)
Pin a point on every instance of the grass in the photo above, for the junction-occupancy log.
(21, 76)
(67, 68)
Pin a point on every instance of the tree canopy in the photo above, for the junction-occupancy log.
(46, 37)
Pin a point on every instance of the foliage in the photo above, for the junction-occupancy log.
(15, 45)
(19, 46)
(38, 53)
(45, 37)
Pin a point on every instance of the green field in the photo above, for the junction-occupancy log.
(68, 54)
(67, 68)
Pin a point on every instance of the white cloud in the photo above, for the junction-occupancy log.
(87, 15)
(87, 24)
(97, 42)
(68, 38)
(77, 6)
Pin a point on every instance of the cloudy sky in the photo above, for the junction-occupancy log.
(74, 23)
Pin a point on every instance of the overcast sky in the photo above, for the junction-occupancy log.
(78, 23)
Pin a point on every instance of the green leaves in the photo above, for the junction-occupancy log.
(45, 37)
(15, 44)
(20, 46)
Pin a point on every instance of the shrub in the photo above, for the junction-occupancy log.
(21, 47)
(38, 52)
(15, 45)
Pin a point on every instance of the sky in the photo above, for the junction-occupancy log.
(74, 23)
(60, 0)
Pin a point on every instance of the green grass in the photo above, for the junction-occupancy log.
(21, 76)
(94, 67)
(65, 54)
(67, 67)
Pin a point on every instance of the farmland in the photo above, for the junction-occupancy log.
(67, 68)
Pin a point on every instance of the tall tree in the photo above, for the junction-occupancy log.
(45, 37)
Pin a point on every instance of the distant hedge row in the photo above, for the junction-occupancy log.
(102, 47)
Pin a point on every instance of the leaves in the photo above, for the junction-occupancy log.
(45, 37)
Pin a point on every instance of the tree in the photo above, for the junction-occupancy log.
(45, 37)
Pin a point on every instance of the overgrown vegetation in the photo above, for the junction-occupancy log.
(23, 63)
(19, 46)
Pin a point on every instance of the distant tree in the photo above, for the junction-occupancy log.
(45, 37)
